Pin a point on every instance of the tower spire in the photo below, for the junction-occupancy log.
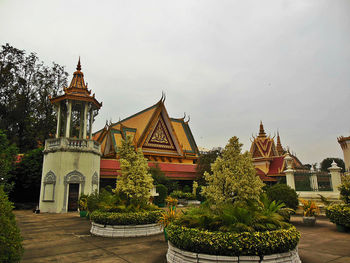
(79, 66)
(279, 147)
(262, 131)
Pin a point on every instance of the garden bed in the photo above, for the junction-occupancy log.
(339, 214)
(233, 244)
(131, 224)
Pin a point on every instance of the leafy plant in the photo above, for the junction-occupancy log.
(339, 214)
(182, 195)
(233, 244)
(168, 217)
(83, 200)
(233, 177)
(10, 238)
(234, 218)
(135, 181)
(171, 201)
(284, 194)
(310, 208)
(344, 189)
(162, 191)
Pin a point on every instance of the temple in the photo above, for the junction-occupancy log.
(269, 158)
(165, 142)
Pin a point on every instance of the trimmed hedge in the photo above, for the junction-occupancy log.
(339, 214)
(233, 244)
(182, 195)
(134, 218)
(283, 193)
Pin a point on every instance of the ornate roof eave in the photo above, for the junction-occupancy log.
(76, 97)
(343, 139)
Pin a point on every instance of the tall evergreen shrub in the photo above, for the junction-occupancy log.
(10, 238)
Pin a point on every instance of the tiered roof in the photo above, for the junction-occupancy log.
(268, 158)
(77, 90)
(167, 141)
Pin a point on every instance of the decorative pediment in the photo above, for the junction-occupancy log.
(160, 137)
(74, 177)
(50, 178)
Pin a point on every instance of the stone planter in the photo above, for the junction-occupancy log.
(309, 220)
(125, 231)
(175, 255)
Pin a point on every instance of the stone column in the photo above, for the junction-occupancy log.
(90, 124)
(69, 116)
(313, 180)
(334, 170)
(85, 120)
(58, 129)
(289, 172)
(81, 121)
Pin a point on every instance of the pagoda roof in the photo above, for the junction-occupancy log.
(77, 90)
(152, 130)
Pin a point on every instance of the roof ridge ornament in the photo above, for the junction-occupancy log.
(261, 130)
(79, 66)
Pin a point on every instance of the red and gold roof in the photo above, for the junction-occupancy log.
(77, 90)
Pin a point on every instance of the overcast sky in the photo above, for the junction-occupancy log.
(227, 64)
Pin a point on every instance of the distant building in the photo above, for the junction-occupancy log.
(269, 158)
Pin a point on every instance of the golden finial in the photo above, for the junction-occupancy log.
(79, 66)
(262, 131)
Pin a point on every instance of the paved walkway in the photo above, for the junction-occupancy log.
(66, 238)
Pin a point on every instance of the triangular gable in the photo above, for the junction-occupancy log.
(160, 137)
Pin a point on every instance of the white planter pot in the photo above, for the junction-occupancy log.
(175, 255)
(125, 231)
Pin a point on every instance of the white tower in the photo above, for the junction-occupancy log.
(71, 165)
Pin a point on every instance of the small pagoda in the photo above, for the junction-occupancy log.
(71, 164)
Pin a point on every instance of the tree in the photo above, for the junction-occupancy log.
(10, 238)
(234, 178)
(26, 114)
(135, 181)
(326, 163)
(27, 177)
(204, 163)
(8, 154)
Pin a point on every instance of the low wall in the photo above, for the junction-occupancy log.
(125, 231)
(175, 255)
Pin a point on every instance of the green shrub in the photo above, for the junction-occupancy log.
(283, 193)
(10, 238)
(187, 189)
(163, 192)
(182, 195)
(344, 189)
(135, 218)
(233, 244)
(339, 214)
(230, 218)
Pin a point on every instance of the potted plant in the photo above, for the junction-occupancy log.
(83, 205)
(310, 211)
(171, 202)
(168, 216)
